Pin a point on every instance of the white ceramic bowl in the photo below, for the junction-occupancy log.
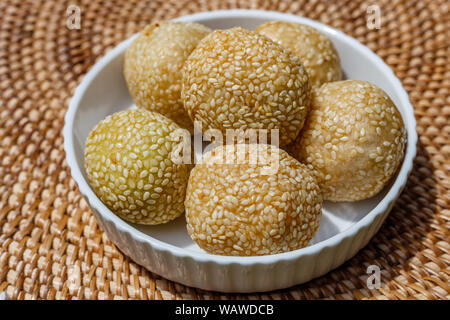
(167, 249)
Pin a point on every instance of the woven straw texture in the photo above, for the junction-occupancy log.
(47, 229)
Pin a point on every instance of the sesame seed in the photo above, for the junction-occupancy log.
(248, 90)
(152, 67)
(315, 50)
(132, 186)
(251, 213)
(361, 154)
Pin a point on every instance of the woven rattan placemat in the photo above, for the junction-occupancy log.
(46, 227)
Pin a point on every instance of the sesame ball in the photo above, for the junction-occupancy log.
(235, 207)
(128, 160)
(315, 50)
(237, 79)
(354, 138)
(153, 64)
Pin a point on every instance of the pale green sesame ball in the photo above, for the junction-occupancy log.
(354, 139)
(316, 51)
(237, 79)
(128, 160)
(153, 64)
(241, 207)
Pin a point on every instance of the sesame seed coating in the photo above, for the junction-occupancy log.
(128, 160)
(237, 79)
(354, 138)
(234, 208)
(153, 64)
(315, 50)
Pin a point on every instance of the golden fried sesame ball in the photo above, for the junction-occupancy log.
(153, 64)
(354, 138)
(237, 208)
(315, 50)
(237, 79)
(128, 160)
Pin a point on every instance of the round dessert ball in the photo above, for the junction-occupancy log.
(128, 160)
(315, 50)
(153, 67)
(235, 207)
(237, 79)
(354, 138)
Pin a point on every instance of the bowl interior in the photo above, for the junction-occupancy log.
(107, 93)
